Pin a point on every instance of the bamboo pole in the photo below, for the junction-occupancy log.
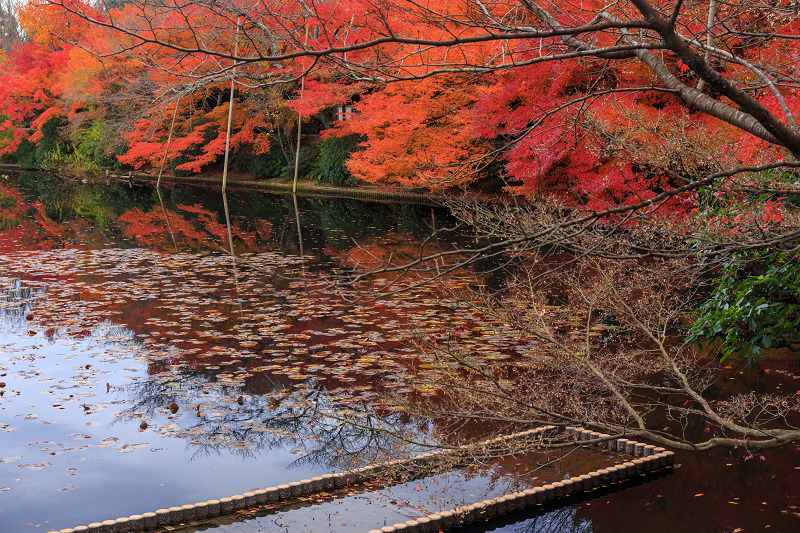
(299, 130)
(230, 110)
(169, 140)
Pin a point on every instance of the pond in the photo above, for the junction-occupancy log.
(142, 366)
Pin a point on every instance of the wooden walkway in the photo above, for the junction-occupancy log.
(644, 460)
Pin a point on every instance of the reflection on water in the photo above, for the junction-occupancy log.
(146, 366)
(17, 300)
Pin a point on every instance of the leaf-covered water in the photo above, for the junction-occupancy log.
(142, 365)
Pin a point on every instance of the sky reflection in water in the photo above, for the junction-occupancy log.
(96, 343)
(103, 328)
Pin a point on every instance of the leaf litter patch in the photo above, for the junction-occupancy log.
(222, 353)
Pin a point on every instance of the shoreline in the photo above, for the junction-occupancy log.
(282, 185)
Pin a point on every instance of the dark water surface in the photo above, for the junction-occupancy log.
(144, 366)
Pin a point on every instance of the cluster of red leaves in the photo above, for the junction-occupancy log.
(585, 130)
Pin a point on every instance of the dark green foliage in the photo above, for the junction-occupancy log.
(51, 142)
(269, 165)
(26, 155)
(51, 147)
(259, 166)
(333, 153)
(181, 159)
(309, 161)
(755, 305)
(86, 151)
(92, 144)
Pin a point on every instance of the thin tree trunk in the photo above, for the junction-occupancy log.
(230, 112)
(169, 140)
(299, 132)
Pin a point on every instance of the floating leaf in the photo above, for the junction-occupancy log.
(240, 445)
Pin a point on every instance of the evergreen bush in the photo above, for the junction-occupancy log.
(333, 153)
(26, 155)
(754, 305)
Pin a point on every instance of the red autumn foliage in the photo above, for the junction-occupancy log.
(444, 94)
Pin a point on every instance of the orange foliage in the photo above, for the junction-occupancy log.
(590, 130)
(418, 134)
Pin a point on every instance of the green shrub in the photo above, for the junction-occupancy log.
(267, 165)
(92, 144)
(273, 164)
(179, 160)
(259, 166)
(26, 155)
(51, 144)
(333, 153)
(309, 162)
(51, 147)
(754, 305)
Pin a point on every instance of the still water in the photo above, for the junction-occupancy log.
(143, 365)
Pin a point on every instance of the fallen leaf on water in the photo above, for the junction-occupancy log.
(240, 445)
